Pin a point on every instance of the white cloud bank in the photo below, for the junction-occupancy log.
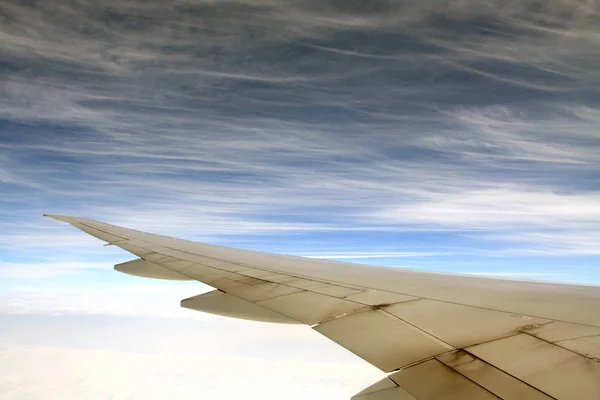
(124, 358)
(58, 373)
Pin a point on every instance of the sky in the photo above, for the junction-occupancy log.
(454, 136)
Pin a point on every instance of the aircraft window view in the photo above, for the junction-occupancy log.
(275, 199)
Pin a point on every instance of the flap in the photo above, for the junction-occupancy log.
(220, 303)
(147, 269)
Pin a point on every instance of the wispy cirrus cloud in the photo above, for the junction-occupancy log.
(222, 121)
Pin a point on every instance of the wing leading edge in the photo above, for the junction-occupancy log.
(439, 336)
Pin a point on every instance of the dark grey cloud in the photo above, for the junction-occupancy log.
(292, 59)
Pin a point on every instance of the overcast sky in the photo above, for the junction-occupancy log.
(459, 136)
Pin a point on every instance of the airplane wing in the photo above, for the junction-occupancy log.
(439, 336)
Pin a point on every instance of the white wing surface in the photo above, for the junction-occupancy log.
(439, 336)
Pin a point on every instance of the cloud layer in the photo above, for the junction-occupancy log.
(470, 127)
(153, 358)
(266, 117)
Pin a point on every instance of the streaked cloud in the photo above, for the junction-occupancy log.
(509, 274)
(237, 119)
(277, 118)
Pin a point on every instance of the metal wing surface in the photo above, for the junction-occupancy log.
(439, 336)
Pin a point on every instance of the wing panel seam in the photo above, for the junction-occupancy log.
(500, 369)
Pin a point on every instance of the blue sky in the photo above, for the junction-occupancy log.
(448, 136)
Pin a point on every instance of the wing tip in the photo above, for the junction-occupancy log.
(63, 218)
